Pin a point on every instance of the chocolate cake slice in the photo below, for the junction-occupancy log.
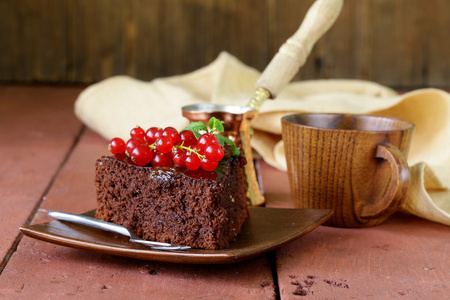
(173, 204)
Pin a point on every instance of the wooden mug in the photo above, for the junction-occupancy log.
(353, 164)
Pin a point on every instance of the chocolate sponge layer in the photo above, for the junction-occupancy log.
(196, 208)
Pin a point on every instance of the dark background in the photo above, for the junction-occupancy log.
(399, 43)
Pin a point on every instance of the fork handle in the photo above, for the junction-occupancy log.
(89, 221)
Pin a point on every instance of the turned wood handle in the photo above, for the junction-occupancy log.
(398, 185)
(293, 53)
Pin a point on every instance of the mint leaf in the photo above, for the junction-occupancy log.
(224, 140)
(215, 125)
(197, 134)
(196, 126)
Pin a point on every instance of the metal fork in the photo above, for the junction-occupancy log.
(99, 224)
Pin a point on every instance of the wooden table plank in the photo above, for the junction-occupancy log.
(37, 130)
(52, 271)
(55, 272)
(406, 256)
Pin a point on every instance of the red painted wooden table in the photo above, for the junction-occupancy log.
(48, 162)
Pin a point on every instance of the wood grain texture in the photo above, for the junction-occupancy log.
(355, 165)
(51, 271)
(37, 131)
(404, 258)
(55, 272)
(294, 52)
(402, 43)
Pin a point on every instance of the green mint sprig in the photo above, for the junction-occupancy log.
(214, 125)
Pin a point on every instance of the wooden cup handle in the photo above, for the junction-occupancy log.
(398, 186)
(293, 53)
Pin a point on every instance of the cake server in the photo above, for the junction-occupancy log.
(278, 73)
(107, 226)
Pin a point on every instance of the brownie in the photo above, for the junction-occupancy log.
(175, 205)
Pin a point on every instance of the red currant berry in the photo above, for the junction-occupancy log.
(121, 157)
(214, 152)
(208, 165)
(152, 134)
(141, 155)
(164, 144)
(206, 139)
(132, 143)
(187, 138)
(162, 160)
(154, 152)
(171, 129)
(170, 132)
(197, 149)
(178, 159)
(138, 132)
(116, 145)
(176, 150)
(191, 161)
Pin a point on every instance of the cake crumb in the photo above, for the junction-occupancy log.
(302, 291)
(265, 283)
(304, 287)
(337, 284)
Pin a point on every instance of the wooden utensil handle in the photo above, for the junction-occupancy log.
(292, 54)
(398, 186)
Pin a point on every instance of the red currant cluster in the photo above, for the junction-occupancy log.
(166, 147)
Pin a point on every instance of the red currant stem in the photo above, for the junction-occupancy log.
(201, 156)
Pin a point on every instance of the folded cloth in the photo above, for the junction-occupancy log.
(113, 106)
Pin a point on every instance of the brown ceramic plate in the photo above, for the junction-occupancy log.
(265, 230)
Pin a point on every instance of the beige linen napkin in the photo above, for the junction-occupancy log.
(113, 106)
